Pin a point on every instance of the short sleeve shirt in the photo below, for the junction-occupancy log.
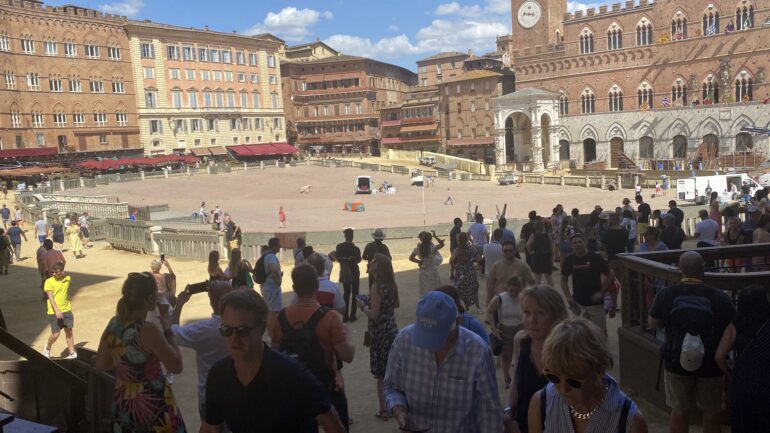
(586, 275)
(614, 241)
(644, 213)
(453, 237)
(41, 228)
(14, 233)
(60, 291)
(5, 213)
(478, 232)
(707, 231)
(271, 259)
(284, 397)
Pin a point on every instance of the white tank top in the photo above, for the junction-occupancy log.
(510, 310)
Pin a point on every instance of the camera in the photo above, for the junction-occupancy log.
(198, 287)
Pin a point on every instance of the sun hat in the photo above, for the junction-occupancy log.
(436, 312)
(378, 235)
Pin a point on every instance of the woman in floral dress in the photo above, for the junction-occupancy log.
(133, 350)
(464, 262)
(382, 320)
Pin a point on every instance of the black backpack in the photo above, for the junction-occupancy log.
(303, 345)
(691, 314)
(260, 273)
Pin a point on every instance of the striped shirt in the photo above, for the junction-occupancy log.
(605, 420)
(459, 396)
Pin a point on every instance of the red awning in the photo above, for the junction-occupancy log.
(217, 150)
(27, 152)
(203, 151)
(115, 164)
(242, 150)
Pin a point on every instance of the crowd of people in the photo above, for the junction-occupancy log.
(437, 374)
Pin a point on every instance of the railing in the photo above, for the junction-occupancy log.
(129, 235)
(188, 245)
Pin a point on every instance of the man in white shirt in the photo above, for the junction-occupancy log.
(329, 294)
(493, 251)
(479, 236)
(203, 336)
(707, 233)
(41, 229)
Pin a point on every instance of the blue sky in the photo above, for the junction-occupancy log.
(394, 31)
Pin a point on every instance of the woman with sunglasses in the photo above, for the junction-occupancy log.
(133, 350)
(580, 396)
(542, 307)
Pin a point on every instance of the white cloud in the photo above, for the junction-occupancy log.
(454, 8)
(129, 8)
(393, 28)
(573, 6)
(290, 23)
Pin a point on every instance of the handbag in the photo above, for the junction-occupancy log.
(495, 344)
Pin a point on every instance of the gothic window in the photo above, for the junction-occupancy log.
(710, 23)
(646, 148)
(744, 17)
(743, 88)
(586, 42)
(587, 102)
(643, 33)
(679, 92)
(614, 37)
(679, 27)
(644, 96)
(616, 99)
(563, 104)
(710, 92)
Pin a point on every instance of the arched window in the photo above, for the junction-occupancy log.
(744, 17)
(563, 104)
(710, 91)
(587, 102)
(644, 96)
(743, 88)
(680, 146)
(743, 142)
(614, 37)
(643, 33)
(564, 150)
(586, 41)
(710, 23)
(679, 92)
(679, 26)
(646, 148)
(616, 98)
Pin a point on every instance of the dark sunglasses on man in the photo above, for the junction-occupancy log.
(241, 331)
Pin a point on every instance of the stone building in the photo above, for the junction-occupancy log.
(333, 104)
(67, 81)
(641, 83)
(414, 123)
(200, 90)
(437, 68)
(307, 52)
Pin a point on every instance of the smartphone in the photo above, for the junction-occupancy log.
(363, 298)
(162, 258)
(198, 287)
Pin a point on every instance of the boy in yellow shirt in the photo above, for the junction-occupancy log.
(59, 310)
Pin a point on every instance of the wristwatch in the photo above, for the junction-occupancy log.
(508, 411)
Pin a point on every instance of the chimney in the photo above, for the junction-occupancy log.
(470, 52)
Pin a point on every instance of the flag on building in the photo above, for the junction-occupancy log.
(665, 101)
(747, 22)
(644, 107)
(711, 30)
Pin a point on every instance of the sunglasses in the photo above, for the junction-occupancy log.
(241, 331)
(554, 379)
(508, 251)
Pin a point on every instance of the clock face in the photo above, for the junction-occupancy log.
(529, 14)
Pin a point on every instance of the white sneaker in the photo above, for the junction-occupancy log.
(46, 352)
(72, 355)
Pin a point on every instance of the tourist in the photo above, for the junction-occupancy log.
(373, 248)
(591, 279)
(643, 213)
(731, 236)
(41, 229)
(493, 251)
(349, 256)
(478, 234)
(507, 233)
(15, 234)
(5, 213)
(5, 192)
(6, 252)
(714, 212)
(542, 307)
(674, 210)
(232, 232)
(47, 259)
(614, 242)
(449, 200)
(706, 231)
(165, 282)
(526, 231)
(432, 352)
(761, 235)
(557, 217)
(256, 388)
(580, 396)
(504, 319)
(466, 280)
(84, 224)
(18, 215)
(134, 216)
(467, 320)
(332, 335)
(748, 336)
(59, 310)
(503, 270)
(297, 251)
(239, 271)
(692, 374)
(651, 242)
(328, 294)
(540, 253)
(271, 288)
(750, 224)
(627, 207)
(457, 228)
(658, 189)
(590, 229)
(202, 335)
(428, 258)
(76, 245)
(213, 269)
(281, 218)
(629, 225)
(566, 230)
(57, 233)
(379, 308)
(672, 235)
(638, 190)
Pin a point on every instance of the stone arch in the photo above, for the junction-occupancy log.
(678, 127)
(709, 126)
(616, 130)
(742, 121)
(588, 131)
(645, 128)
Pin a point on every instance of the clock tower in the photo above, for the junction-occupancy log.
(536, 25)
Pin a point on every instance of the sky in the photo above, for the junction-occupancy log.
(394, 31)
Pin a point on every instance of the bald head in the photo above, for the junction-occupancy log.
(691, 265)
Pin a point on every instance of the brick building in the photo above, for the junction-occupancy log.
(201, 90)
(640, 82)
(307, 52)
(435, 69)
(333, 104)
(414, 123)
(68, 84)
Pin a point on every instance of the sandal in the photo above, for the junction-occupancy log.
(382, 415)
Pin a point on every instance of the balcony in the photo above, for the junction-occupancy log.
(390, 123)
(335, 138)
(334, 118)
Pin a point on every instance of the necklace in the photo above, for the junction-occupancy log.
(587, 415)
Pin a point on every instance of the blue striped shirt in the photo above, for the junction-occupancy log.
(459, 396)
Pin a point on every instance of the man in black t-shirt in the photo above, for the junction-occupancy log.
(614, 242)
(702, 385)
(676, 212)
(643, 211)
(591, 278)
(672, 235)
(256, 389)
(349, 256)
(526, 231)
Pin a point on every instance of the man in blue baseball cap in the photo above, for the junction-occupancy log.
(440, 376)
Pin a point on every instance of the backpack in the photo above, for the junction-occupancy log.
(303, 345)
(260, 273)
(691, 328)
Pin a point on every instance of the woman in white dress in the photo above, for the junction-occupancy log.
(428, 258)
